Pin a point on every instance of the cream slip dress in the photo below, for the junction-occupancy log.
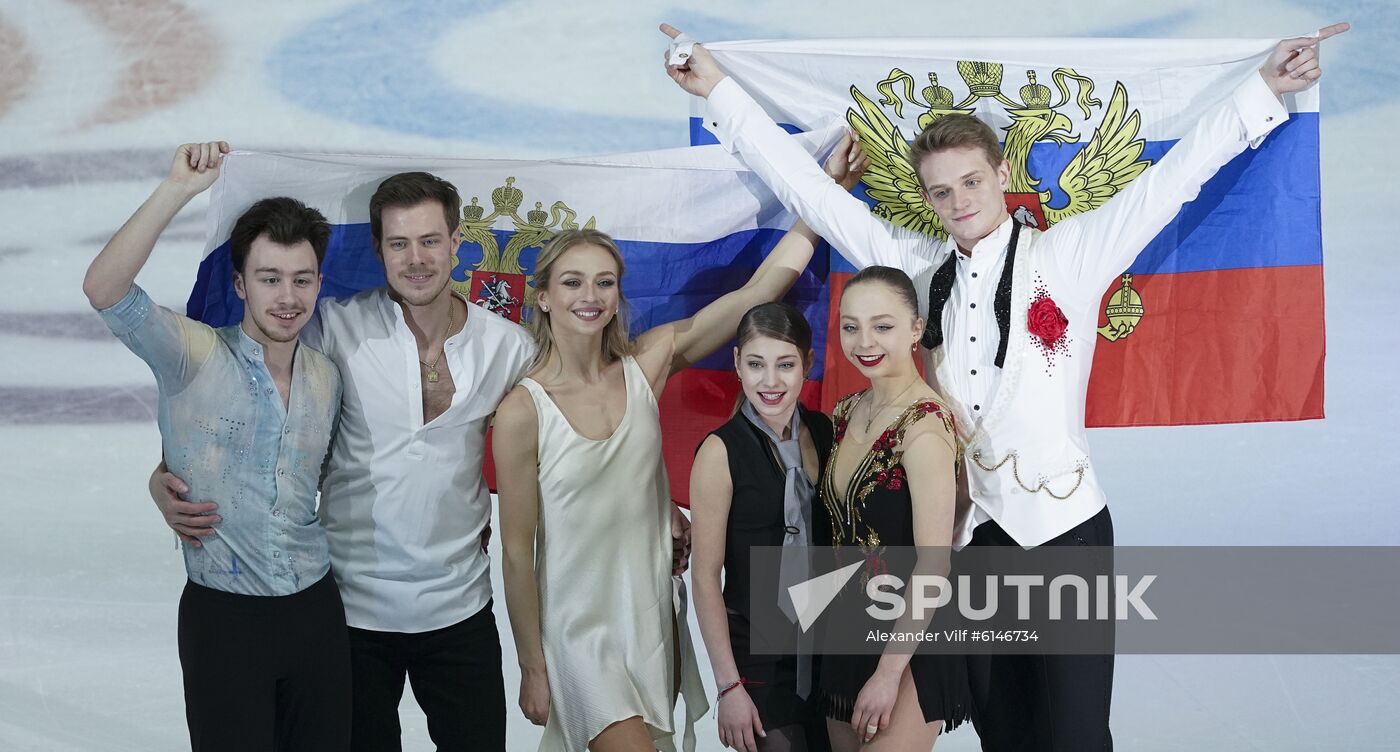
(610, 610)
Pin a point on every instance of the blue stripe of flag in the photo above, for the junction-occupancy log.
(664, 282)
(1263, 209)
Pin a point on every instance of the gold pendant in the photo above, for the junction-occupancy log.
(432, 376)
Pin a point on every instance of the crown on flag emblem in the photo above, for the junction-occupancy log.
(499, 282)
(1106, 162)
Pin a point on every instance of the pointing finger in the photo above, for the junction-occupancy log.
(1333, 30)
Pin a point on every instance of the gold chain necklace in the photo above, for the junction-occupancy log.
(874, 412)
(432, 367)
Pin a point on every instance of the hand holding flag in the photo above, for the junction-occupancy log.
(699, 74)
(1293, 66)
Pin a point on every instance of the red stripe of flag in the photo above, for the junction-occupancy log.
(1231, 346)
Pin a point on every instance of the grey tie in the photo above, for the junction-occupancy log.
(797, 524)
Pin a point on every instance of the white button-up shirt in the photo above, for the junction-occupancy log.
(1079, 256)
(970, 331)
(404, 503)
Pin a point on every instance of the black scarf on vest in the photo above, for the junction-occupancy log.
(941, 287)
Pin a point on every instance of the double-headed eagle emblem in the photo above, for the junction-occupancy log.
(1104, 165)
(499, 282)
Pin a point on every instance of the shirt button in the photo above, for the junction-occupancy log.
(974, 372)
(974, 275)
(976, 407)
(1269, 119)
(974, 339)
(280, 472)
(972, 305)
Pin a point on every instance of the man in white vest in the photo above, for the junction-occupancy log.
(1010, 335)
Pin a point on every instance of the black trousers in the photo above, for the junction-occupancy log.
(266, 672)
(1044, 703)
(456, 676)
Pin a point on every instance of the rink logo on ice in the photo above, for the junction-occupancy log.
(1101, 167)
(500, 281)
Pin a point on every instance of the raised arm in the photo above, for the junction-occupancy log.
(672, 347)
(742, 126)
(514, 447)
(112, 273)
(1095, 247)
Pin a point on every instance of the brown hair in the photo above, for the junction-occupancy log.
(895, 279)
(408, 189)
(778, 321)
(285, 221)
(616, 341)
(954, 132)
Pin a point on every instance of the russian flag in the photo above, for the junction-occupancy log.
(1220, 318)
(692, 225)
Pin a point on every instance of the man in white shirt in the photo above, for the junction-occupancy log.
(1011, 330)
(404, 502)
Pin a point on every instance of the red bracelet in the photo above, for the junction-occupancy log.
(729, 688)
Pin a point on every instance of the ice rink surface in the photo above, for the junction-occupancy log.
(95, 94)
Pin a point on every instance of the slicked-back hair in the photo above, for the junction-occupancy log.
(954, 132)
(409, 189)
(778, 321)
(893, 278)
(283, 220)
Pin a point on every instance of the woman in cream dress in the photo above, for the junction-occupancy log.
(586, 517)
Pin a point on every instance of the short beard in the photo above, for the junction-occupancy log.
(424, 298)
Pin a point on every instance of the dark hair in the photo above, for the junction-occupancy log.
(283, 220)
(778, 321)
(408, 189)
(954, 132)
(896, 279)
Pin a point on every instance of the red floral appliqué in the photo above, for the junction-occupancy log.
(892, 479)
(1048, 325)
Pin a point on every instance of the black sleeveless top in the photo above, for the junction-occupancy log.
(756, 509)
(756, 519)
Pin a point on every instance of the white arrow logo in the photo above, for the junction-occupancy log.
(811, 597)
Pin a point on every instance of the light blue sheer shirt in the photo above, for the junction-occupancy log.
(226, 433)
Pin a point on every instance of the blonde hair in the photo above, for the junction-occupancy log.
(616, 341)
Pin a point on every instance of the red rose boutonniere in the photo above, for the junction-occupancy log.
(1048, 325)
(1046, 321)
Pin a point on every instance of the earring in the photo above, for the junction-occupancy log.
(544, 308)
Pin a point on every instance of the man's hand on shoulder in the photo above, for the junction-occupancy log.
(1293, 65)
(699, 73)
